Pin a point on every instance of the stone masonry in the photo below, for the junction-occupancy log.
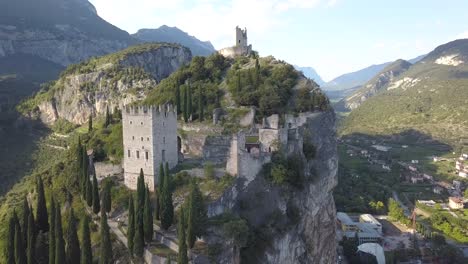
(149, 139)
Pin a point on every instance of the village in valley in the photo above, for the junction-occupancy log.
(428, 184)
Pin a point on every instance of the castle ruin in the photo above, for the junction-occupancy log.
(149, 139)
(241, 48)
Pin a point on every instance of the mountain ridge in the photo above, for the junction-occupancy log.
(175, 35)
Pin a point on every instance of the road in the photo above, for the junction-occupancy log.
(405, 208)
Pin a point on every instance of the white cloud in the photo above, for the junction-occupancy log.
(332, 3)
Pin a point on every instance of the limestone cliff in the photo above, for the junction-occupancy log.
(287, 224)
(64, 32)
(118, 79)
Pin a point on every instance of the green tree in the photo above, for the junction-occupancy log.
(465, 194)
(52, 232)
(106, 195)
(24, 222)
(190, 109)
(201, 103)
(107, 120)
(157, 206)
(90, 124)
(106, 245)
(167, 208)
(84, 173)
(196, 214)
(131, 224)
(59, 242)
(141, 192)
(177, 96)
(95, 196)
(185, 108)
(20, 251)
(148, 217)
(31, 238)
(138, 239)
(182, 256)
(10, 249)
(86, 253)
(73, 246)
(42, 220)
(41, 254)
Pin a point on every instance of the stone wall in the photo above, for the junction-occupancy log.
(216, 149)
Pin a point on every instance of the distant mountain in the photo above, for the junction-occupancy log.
(372, 87)
(360, 77)
(175, 35)
(40, 38)
(430, 97)
(311, 73)
(356, 78)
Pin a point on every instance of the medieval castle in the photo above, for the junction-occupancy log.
(241, 48)
(149, 139)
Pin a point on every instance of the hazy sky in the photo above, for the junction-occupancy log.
(333, 36)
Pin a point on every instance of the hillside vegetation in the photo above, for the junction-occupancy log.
(430, 97)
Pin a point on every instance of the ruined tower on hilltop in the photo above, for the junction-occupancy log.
(241, 48)
(149, 139)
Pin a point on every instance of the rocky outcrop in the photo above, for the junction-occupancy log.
(74, 97)
(63, 44)
(376, 84)
(293, 224)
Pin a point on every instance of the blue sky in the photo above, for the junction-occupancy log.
(333, 36)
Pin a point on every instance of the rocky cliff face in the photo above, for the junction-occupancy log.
(61, 31)
(287, 224)
(89, 88)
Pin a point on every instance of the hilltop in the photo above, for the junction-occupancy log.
(174, 35)
(430, 97)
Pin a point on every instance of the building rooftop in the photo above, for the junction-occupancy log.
(369, 219)
(344, 218)
(456, 199)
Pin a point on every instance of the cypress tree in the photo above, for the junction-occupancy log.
(20, 252)
(41, 208)
(140, 192)
(131, 224)
(41, 254)
(106, 196)
(177, 96)
(156, 204)
(10, 249)
(159, 191)
(89, 192)
(59, 242)
(52, 232)
(167, 210)
(90, 123)
(200, 104)
(167, 176)
(24, 222)
(86, 253)
(31, 239)
(73, 246)
(138, 239)
(182, 256)
(185, 104)
(106, 245)
(148, 217)
(190, 110)
(84, 172)
(95, 196)
(107, 119)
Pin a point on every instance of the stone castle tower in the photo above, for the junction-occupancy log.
(241, 48)
(149, 139)
(241, 37)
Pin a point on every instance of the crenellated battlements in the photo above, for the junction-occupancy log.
(166, 110)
